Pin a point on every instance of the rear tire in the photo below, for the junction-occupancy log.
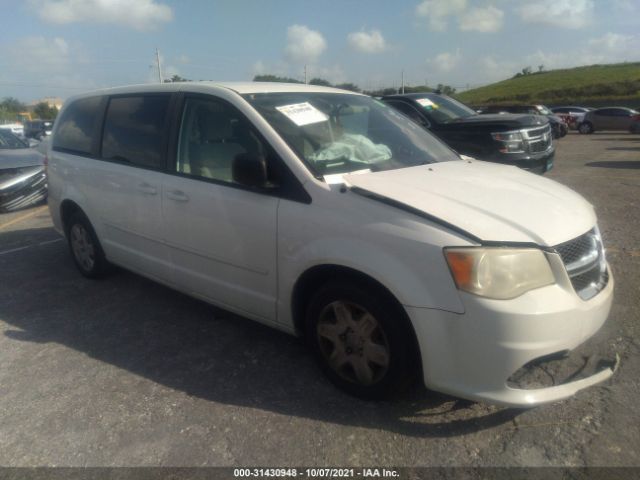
(585, 128)
(85, 248)
(362, 340)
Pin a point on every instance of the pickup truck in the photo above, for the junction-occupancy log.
(514, 139)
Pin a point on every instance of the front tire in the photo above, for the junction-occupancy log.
(362, 340)
(85, 248)
(585, 128)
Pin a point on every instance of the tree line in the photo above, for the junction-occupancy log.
(446, 89)
(12, 109)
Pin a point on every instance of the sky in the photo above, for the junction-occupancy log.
(62, 47)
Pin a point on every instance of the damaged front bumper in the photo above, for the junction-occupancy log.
(22, 187)
(565, 373)
(493, 351)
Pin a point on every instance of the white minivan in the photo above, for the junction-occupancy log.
(328, 214)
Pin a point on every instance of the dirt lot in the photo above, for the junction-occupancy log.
(126, 372)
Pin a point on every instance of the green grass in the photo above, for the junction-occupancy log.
(587, 85)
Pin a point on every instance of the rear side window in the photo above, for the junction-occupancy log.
(76, 127)
(134, 130)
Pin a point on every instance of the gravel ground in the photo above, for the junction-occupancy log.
(125, 372)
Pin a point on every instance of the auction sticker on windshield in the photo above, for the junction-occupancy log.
(302, 113)
(426, 103)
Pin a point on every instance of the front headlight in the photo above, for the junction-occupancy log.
(499, 273)
(510, 142)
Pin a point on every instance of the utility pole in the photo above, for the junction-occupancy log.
(402, 82)
(305, 74)
(158, 63)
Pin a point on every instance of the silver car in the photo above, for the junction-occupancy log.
(23, 179)
(610, 118)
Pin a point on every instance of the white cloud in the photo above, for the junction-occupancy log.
(367, 42)
(438, 12)
(490, 69)
(609, 48)
(54, 66)
(304, 44)
(446, 61)
(36, 54)
(259, 68)
(475, 19)
(137, 14)
(333, 73)
(559, 13)
(485, 20)
(614, 42)
(626, 6)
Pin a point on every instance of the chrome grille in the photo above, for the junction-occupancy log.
(537, 132)
(538, 139)
(584, 259)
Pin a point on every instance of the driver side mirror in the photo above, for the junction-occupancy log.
(249, 170)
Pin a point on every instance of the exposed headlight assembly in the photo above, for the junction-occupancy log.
(499, 273)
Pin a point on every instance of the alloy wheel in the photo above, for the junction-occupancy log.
(82, 246)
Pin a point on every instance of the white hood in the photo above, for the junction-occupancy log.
(490, 201)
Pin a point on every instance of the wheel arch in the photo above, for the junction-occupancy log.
(67, 209)
(314, 277)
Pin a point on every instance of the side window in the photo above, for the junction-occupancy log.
(76, 127)
(212, 134)
(409, 111)
(134, 130)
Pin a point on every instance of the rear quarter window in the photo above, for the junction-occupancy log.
(77, 126)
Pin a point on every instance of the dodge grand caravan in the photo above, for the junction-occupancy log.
(328, 214)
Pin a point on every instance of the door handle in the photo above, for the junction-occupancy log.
(147, 189)
(178, 196)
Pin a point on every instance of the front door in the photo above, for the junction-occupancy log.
(221, 235)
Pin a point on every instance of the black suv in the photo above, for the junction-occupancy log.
(521, 140)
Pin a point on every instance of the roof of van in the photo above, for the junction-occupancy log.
(238, 87)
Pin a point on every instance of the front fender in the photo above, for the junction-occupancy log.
(402, 254)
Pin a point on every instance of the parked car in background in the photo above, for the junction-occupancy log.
(520, 140)
(609, 118)
(574, 115)
(15, 128)
(559, 126)
(22, 174)
(635, 126)
(38, 129)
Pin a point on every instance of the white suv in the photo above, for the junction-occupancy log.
(328, 214)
